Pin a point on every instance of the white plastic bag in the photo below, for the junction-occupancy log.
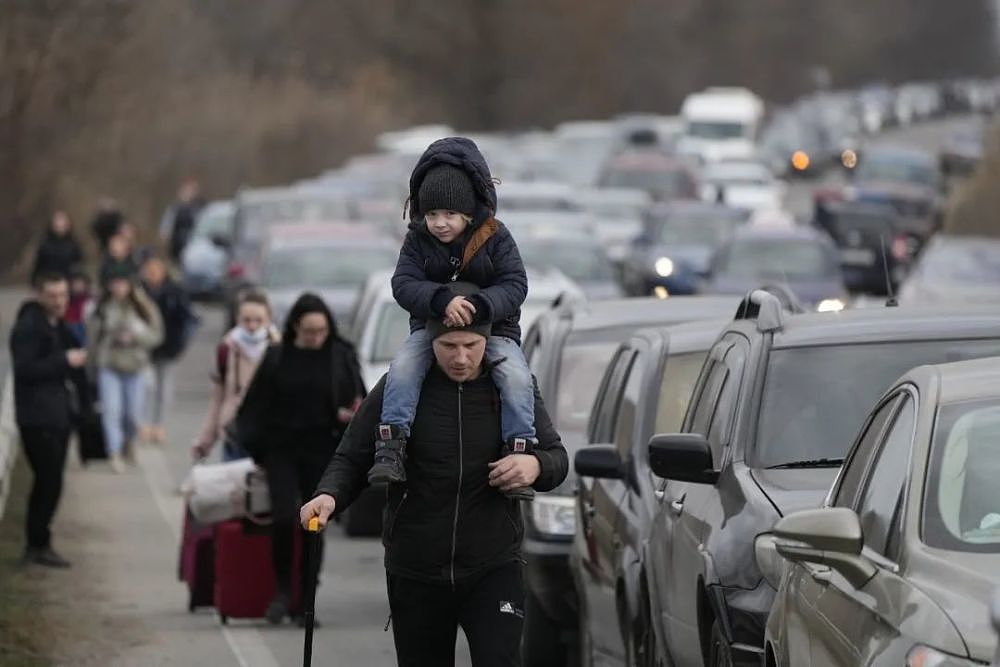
(222, 491)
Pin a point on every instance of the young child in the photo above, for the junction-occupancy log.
(454, 236)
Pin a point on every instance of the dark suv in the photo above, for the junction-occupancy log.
(645, 390)
(568, 350)
(773, 413)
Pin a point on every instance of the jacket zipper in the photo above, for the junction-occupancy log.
(395, 515)
(458, 491)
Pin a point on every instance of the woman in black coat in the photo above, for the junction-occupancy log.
(59, 252)
(296, 408)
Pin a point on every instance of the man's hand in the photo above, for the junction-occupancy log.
(514, 471)
(199, 450)
(76, 358)
(459, 312)
(321, 506)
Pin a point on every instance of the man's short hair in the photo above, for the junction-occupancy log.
(49, 277)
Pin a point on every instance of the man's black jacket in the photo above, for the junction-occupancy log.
(41, 371)
(446, 522)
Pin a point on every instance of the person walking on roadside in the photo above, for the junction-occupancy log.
(123, 330)
(236, 360)
(47, 359)
(179, 220)
(119, 259)
(107, 222)
(179, 323)
(59, 252)
(291, 420)
(452, 538)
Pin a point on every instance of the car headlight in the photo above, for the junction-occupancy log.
(925, 656)
(830, 306)
(664, 266)
(554, 515)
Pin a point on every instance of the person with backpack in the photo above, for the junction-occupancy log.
(291, 420)
(123, 330)
(59, 252)
(453, 235)
(237, 358)
(179, 325)
(452, 535)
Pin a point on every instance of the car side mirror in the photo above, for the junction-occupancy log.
(826, 536)
(600, 462)
(684, 457)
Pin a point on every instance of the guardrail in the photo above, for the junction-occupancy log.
(8, 440)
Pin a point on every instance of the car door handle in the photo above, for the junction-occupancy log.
(659, 495)
(677, 506)
(821, 575)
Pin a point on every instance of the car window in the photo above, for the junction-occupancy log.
(581, 367)
(680, 374)
(854, 469)
(628, 407)
(715, 380)
(391, 329)
(608, 397)
(725, 411)
(962, 504)
(884, 486)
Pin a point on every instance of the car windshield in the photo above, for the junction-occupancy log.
(899, 171)
(581, 368)
(580, 262)
(317, 267)
(391, 329)
(962, 505)
(663, 183)
(816, 398)
(214, 222)
(707, 231)
(973, 263)
(257, 217)
(716, 130)
(777, 259)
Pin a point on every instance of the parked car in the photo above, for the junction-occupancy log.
(675, 249)
(536, 196)
(875, 250)
(645, 390)
(617, 215)
(203, 261)
(955, 269)
(900, 564)
(793, 145)
(742, 184)
(963, 150)
(665, 178)
(568, 350)
(803, 260)
(330, 259)
(578, 256)
(770, 421)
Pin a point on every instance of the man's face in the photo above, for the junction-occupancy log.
(54, 297)
(460, 354)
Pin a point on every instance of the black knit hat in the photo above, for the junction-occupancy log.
(447, 188)
(435, 327)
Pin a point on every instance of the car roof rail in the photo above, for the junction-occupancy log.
(764, 307)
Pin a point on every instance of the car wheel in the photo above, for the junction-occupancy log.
(719, 653)
(541, 644)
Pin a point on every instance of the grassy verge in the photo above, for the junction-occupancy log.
(24, 632)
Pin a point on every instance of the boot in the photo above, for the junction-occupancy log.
(521, 446)
(116, 462)
(390, 456)
(278, 609)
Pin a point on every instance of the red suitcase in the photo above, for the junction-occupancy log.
(196, 565)
(244, 578)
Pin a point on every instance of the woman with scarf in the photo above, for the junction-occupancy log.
(296, 410)
(237, 358)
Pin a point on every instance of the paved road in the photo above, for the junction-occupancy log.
(123, 533)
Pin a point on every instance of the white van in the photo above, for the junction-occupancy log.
(720, 124)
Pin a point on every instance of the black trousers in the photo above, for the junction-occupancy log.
(292, 477)
(489, 608)
(45, 448)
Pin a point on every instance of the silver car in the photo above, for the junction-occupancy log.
(900, 565)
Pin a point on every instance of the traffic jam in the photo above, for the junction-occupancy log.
(773, 362)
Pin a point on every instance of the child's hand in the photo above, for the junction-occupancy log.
(459, 312)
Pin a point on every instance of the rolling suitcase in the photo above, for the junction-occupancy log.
(196, 565)
(244, 577)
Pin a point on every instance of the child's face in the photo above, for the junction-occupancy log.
(445, 226)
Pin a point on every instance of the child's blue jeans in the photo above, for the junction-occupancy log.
(512, 378)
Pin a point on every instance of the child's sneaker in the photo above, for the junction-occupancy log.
(518, 446)
(390, 456)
